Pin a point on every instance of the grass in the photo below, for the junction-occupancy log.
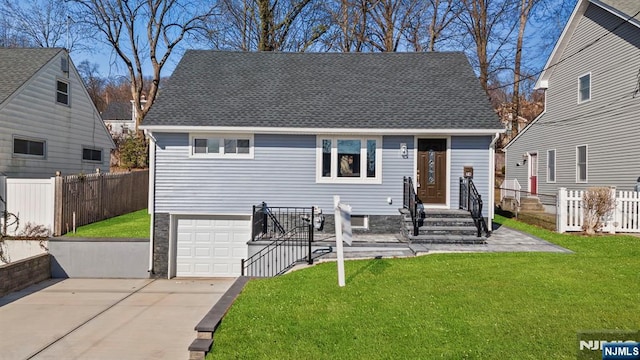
(132, 225)
(448, 306)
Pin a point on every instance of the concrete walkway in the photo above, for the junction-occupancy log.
(105, 318)
(502, 239)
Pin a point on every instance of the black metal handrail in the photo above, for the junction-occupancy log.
(410, 202)
(471, 201)
(291, 231)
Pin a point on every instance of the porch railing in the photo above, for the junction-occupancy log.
(410, 202)
(290, 230)
(471, 201)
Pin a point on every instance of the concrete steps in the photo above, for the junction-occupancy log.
(531, 204)
(442, 226)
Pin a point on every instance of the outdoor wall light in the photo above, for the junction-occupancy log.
(403, 150)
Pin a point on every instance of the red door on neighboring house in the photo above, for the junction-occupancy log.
(533, 171)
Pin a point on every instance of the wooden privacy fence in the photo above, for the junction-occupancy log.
(624, 218)
(84, 199)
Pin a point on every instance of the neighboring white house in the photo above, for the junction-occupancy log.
(120, 116)
(589, 133)
(48, 120)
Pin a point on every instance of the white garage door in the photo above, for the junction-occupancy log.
(211, 246)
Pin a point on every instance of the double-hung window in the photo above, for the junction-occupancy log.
(62, 92)
(221, 146)
(349, 159)
(551, 166)
(581, 164)
(584, 88)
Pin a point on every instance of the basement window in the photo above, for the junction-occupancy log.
(360, 222)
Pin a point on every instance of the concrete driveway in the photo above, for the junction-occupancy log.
(106, 318)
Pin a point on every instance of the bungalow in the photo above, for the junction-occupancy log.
(234, 129)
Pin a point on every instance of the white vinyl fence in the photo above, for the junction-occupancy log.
(510, 189)
(30, 200)
(624, 218)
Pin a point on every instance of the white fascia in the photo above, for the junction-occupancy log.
(326, 131)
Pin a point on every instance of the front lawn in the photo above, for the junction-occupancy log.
(132, 225)
(450, 306)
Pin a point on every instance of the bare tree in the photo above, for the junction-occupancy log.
(348, 24)
(525, 7)
(144, 32)
(430, 21)
(389, 22)
(489, 26)
(269, 25)
(94, 84)
(42, 23)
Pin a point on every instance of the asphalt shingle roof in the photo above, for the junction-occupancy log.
(117, 111)
(324, 90)
(20, 64)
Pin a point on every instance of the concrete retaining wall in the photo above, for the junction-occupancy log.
(99, 258)
(23, 273)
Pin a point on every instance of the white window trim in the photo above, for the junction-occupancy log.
(92, 148)
(29, 156)
(68, 92)
(555, 166)
(580, 101)
(586, 165)
(221, 154)
(334, 179)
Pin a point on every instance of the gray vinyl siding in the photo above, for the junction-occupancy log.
(283, 173)
(471, 151)
(33, 113)
(609, 124)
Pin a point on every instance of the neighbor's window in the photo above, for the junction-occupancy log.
(62, 92)
(222, 146)
(584, 84)
(349, 159)
(90, 154)
(581, 163)
(29, 147)
(551, 166)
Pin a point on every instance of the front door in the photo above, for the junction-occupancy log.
(533, 171)
(432, 171)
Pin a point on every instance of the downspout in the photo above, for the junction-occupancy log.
(492, 175)
(151, 203)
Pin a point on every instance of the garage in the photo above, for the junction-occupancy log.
(211, 246)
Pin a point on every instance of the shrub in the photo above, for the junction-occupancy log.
(132, 151)
(597, 203)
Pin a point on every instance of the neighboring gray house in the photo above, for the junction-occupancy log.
(120, 116)
(48, 120)
(233, 129)
(589, 133)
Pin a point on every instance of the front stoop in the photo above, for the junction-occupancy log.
(531, 204)
(207, 326)
(442, 227)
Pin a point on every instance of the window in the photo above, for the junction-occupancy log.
(349, 159)
(360, 222)
(29, 147)
(222, 146)
(584, 91)
(581, 163)
(62, 92)
(551, 166)
(90, 154)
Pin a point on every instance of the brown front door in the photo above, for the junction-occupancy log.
(432, 171)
